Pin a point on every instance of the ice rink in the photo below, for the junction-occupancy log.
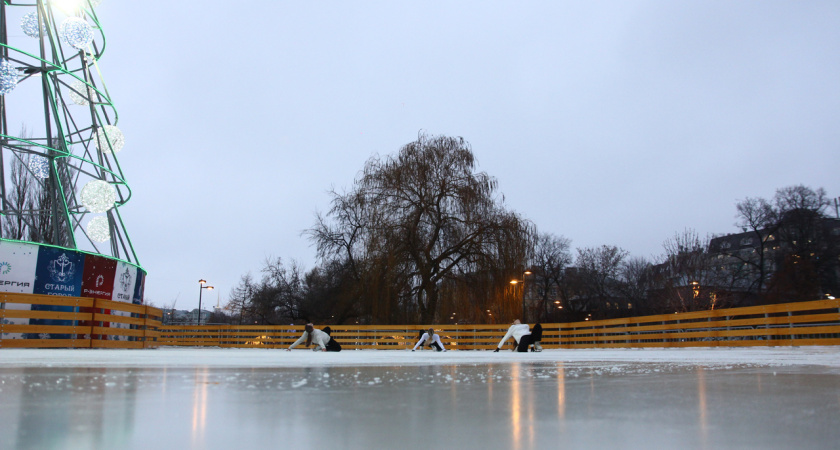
(254, 398)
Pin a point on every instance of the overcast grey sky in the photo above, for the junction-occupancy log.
(607, 122)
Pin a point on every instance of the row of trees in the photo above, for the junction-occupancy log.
(423, 237)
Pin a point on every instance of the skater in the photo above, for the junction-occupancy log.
(431, 339)
(322, 340)
(520, 333)
(536, 337)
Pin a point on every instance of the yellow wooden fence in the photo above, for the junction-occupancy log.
(88, 322)
(75, 322)
(803, 323)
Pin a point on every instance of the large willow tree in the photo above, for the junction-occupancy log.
(415, 219)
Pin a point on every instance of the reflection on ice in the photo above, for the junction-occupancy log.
(199, 413)
(701, 404)
(518, 405)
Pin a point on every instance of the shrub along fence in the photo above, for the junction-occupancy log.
(87, 322)
(30, 320)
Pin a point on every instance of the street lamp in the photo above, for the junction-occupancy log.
(201, 287)
(515, 282)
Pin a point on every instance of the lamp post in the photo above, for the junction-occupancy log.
(201, 288)
(515, 282)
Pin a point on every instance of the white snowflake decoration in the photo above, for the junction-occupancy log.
(98, 196)
(40, 166)
(77, 93)
(76, 32)
(29, 24)
(109, 134)
(9, 77)
(98, 229)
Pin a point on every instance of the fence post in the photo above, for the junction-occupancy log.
(678, 331)
(2, 316)
(663, 329)
(638, 335)
(790, 325)
(767, 324)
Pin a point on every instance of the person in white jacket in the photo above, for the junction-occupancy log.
(521, 333)
(322, 340)
(431, 339)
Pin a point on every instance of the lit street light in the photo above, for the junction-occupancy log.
(515, 282)
(200, 289)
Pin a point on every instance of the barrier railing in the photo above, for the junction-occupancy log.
(31, 320)
(804, 323)
(27, 320)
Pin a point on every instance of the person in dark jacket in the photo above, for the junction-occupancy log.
(536, 337)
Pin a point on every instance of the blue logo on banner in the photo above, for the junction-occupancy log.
(59, 272)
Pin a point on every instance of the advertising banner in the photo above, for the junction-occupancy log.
(17, 275)
(29, 268)
(59, 272)
(125, 278)
(139, 285)
(17, 267)
(98, 278)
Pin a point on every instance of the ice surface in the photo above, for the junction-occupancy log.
(240, 398)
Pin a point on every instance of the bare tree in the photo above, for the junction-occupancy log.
(416, 219)
(758, 217)
(688, 279)
(636, 284)
(16, 226)
(598, 272)
(552, 255)
(240, 298)
(808, 265)
(31, 202)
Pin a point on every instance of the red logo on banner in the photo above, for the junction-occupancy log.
(98, 278)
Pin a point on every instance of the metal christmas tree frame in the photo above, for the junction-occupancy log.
(63, 139)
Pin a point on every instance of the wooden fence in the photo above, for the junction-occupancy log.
(87, 322)
(29, 320)
(805, 323)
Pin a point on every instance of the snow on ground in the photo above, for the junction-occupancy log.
(175, 357)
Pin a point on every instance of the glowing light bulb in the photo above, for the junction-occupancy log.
(109, 134)
(67, 6)
(98, 229)
(98, 196)
(40, 166)
(29, 24)
(76, 32)
(9, 77)
(76, 94)
(73, 6)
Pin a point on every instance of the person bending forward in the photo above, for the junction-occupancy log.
(521, 333)
(431, 339)
(322, 340)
